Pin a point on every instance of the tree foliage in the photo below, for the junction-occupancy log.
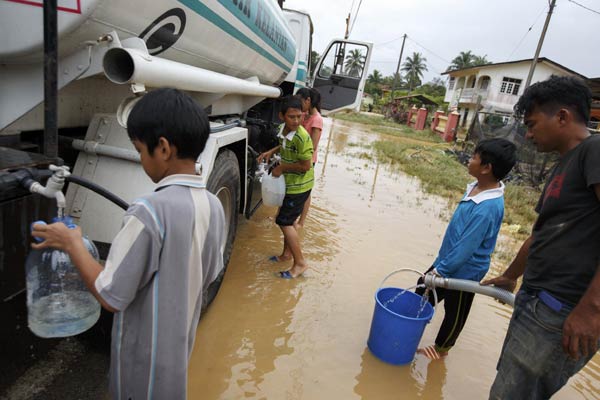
(355, 62)
(466, 59)
(414, 66)
(375, 77)
(314, 60)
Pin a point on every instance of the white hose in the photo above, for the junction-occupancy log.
(433, 281)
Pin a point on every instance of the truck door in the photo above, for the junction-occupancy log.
(341, 74)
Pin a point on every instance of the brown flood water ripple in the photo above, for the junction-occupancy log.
(268, 338)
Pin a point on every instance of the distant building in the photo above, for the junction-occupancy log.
(500, 85)
(594, 84)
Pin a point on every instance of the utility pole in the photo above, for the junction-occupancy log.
(50, 79)
(539, 46)
(347, 27)
(398, 67)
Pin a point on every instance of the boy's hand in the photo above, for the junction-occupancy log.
(502, 282)
(263, 157)
(57, 236)
(277, 171)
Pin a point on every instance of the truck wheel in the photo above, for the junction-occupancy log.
(224, 182)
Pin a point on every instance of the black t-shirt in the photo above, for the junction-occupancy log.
(565, 252)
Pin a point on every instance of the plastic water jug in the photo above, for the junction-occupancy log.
(58, 302)
(273, 190)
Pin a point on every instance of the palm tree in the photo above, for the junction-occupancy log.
(375, 78)
(480, 60)
(463, 60)
(414, 66)
(355, 62)
(314, 60)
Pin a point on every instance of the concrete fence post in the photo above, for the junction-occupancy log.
(421, 119)
(451, 126)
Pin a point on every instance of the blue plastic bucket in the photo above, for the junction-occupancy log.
(395, 329)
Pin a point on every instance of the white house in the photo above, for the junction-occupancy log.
(367, 99)
(500, 85)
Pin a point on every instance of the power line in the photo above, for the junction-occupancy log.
(389, 41)
(436, 70)
(355, 17)
(526, 33)
(582, 6)
(426, 49)
(352, 6)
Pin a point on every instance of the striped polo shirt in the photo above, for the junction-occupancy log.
(296, 146)
(167, 253)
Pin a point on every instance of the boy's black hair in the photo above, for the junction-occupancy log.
(312, 94)
(554, 93)
(499, 153)
(290, 102)
(174, 115)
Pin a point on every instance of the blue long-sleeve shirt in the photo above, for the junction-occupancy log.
(471, 235)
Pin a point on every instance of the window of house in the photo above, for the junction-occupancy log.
(485, 81)
(510, 85)
(451, 83)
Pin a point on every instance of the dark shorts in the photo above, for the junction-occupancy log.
(291, 208)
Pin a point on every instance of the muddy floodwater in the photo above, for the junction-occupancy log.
(268, 338)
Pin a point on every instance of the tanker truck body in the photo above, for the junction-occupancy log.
(235, 57)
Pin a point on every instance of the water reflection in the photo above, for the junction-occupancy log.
(422, 378)
(267, 338)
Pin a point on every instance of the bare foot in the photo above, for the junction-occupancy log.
(431, 353)
(297, 270)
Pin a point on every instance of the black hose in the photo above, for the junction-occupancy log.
(24, 177)
(98, 189)
(222, 128)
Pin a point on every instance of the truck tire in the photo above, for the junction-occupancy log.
(224, 182)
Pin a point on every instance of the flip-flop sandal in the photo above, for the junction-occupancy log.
(285, 275)
(273, 259)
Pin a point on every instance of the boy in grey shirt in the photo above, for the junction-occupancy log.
(166, 254)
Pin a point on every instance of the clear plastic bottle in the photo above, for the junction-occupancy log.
(58, 302)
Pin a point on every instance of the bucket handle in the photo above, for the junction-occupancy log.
(422, 275)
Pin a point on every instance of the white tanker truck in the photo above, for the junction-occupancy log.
(235, 57)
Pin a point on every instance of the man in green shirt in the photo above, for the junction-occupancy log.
(296, 150)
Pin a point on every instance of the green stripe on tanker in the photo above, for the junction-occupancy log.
(205, 12)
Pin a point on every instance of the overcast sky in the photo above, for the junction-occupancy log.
(446, 27)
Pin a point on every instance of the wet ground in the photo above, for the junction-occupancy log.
(268, 338)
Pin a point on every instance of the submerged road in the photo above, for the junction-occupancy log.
(267, 338)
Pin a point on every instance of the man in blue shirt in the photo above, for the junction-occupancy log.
(470, 238)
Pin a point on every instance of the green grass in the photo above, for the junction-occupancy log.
(378, 124)
(364, 119)
(421, 154)
(440, 173)
(520, 207)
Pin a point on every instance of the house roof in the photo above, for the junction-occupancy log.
(422, 98)
(594, 84)
(540, 59)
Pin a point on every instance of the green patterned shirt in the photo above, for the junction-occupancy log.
(296, 146)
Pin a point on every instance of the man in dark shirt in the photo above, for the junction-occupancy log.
(555, 327)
